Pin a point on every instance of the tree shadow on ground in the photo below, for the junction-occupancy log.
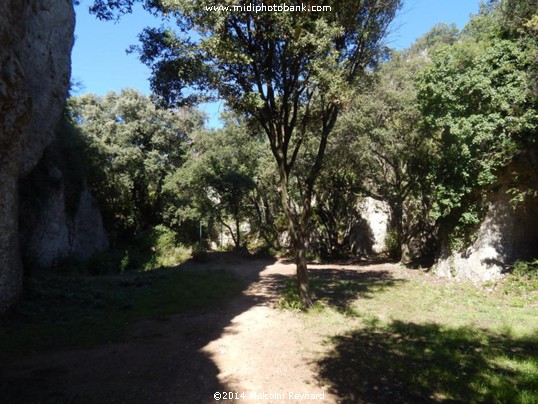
(411, 363)
(158, 360)
(337, 287)
(340, 287)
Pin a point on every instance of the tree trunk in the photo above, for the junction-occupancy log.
(303, 286)
(298, 242)
(238, 232)
(397, 223)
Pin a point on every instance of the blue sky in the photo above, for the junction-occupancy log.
(101, 64)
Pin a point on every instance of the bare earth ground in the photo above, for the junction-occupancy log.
(245, 346)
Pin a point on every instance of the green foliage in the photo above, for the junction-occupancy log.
(74, 311)
(216, 183)
(439, 36)
(381, 140)
(290, 299)
(523, 281)
(526, 268)
(429, 131)
(168, 252)
(132, 147)
(524, 286)
(149, 250)
(392, 244)
(289, 72)
(478, 109)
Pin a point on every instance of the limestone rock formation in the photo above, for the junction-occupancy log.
(36, 37)
(59, 216)
(508, 232)
(88, 234)
(368, 236)
(53, 231)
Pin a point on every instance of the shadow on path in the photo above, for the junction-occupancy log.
(160, 361)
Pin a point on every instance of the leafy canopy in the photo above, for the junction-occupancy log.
(132, 147)
(478, 105)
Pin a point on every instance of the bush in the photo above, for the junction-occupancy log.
(523, 279)
(150, 250)
(391, 244)
(167, 252)
(265, 251)
(526, 268)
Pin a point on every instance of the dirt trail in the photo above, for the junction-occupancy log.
(245, 346)
(263, 352)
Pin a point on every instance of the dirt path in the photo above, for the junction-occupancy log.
(245, 346)
(264, 352)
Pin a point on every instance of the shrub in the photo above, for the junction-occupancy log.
(526, 268)
(391, 244)
(523, 279)
(167, 252)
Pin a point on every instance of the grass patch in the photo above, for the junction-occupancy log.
(405, 336)
(289, 299)
(337, 289)
(81, 311)
(407, 362)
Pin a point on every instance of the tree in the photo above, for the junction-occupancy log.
(132, 147)
(289, 71)
(389, 152)
(217, 178)
(479, 108)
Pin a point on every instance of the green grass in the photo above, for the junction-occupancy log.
(407, 362)
(82, 311)
(420, 339)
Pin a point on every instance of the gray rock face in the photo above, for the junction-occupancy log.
(506, 234)
(59, 217)
(377, 215)
(49, 235)
(368, 236)
(88, 234)
(52, 232)
(36, 38)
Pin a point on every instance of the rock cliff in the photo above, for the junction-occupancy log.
(59, 216)
(508, 232)
(36, 37)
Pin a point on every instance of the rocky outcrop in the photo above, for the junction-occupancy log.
(87, 235)
(59, 216)
(53, 231)
(508, 232)
(369, 234)
(45, 239)
(36, 38)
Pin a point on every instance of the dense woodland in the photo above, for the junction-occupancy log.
(320, 115)
(429, 130)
